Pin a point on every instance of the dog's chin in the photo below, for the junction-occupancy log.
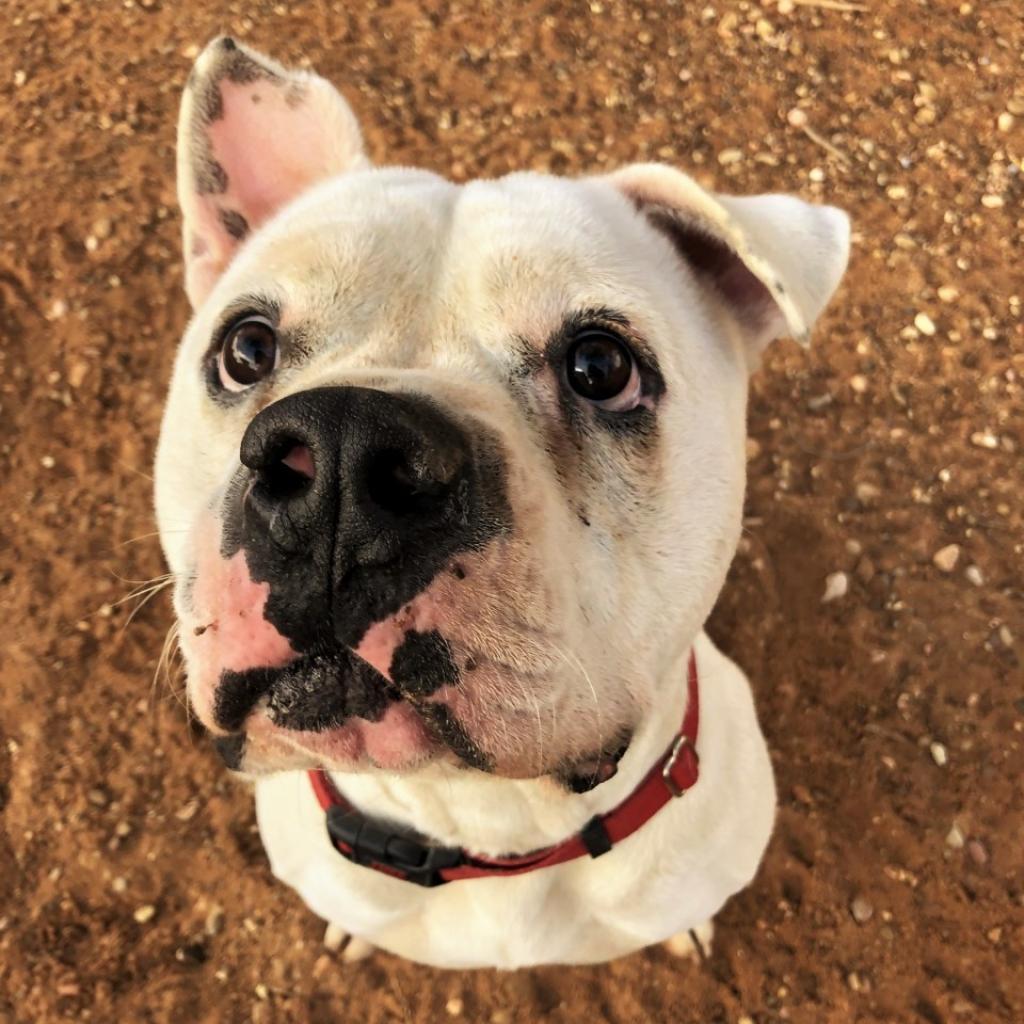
(398, 742)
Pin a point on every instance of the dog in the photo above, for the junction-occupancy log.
(449, 479)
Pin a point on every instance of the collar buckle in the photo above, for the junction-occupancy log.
(372, 845)
(682, 746)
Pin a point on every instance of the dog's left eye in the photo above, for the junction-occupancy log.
(601, 368)
(248, 353)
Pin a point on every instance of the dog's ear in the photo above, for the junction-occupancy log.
(252, 135)
(774, 259)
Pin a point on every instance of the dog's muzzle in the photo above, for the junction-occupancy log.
(352, 500)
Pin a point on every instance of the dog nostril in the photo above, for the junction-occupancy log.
(290, 475)
(407, 487)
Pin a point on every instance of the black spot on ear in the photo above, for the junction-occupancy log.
(231, 750)
(234, 224)
(227, 43)
(583, 519)
(242, 69)
(458, 572)
(211, 178)
(423, 663)
(448, 730)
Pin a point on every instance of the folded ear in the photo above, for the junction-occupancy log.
(774, 259)
(251, 136)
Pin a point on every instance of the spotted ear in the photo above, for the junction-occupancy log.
(252, 136)
(773, 259)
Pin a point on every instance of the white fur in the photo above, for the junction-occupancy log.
(412, 283)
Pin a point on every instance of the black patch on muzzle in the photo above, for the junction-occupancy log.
(447, 729)
(423, 663)
(313, 693)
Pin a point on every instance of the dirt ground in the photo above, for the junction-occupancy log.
(133, 886)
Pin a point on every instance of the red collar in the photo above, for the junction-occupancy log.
(362, 840)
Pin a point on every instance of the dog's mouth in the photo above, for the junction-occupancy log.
(332, 708)
(315, 692)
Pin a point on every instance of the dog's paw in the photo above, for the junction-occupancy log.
(693, 943)
(352, 947)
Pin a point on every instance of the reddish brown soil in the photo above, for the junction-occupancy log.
(871, 453)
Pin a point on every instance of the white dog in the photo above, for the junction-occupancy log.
(450, 477)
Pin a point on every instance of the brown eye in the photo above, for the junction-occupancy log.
(599, 366)
(248, 353)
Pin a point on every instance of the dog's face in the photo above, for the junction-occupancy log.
(452, 473)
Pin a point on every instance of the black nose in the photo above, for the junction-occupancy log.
(357, 498)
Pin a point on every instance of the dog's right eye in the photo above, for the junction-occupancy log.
(248, 353)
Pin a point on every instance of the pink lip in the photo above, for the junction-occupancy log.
(398, 740)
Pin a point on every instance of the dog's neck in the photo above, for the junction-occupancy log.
(492, 816)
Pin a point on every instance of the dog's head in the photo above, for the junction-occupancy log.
(452, 473)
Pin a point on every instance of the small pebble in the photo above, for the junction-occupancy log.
(945, 559)
(77, 372)
(119, 884)
(730, 156)
(984, 439)
(214, 920)
(977, 852)
(994, 935)
(261, 991)
(947, 293)
(924, 323)
(991, 202)
(501, 1017)
(20, 78)
(453, 1007)
(57, 309)
(802, 795)
(861, 910)
(974, 575)
(859, 383)
(836, 586)
(955, 838)
(188, 812)
(938, 752)
(47, 462)
(145, 913)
